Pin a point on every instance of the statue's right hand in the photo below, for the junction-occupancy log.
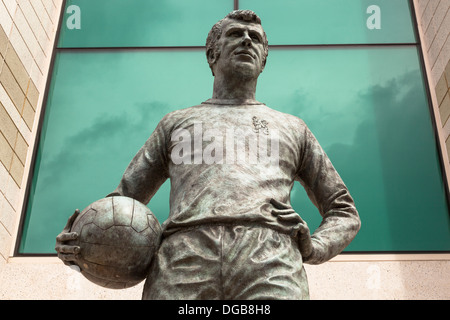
(68, 253)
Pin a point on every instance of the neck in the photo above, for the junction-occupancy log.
(234, 88)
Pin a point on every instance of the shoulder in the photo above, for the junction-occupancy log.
(286, 119)
(174, 117)
(178, 113)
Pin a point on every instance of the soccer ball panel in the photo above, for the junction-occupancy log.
(122, 210)
(105, 214)
(140, 221)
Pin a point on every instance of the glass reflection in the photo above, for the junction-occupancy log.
(334, 21)
(367, 107)
(140, 23)
(102, 108)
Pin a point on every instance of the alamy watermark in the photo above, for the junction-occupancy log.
(232, 145)
(74, 19)
(374, 277)
(374, 20)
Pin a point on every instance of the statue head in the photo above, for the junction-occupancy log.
(213, 50)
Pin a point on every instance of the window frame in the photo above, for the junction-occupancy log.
(56, 50)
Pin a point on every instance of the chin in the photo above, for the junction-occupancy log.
(245, 71)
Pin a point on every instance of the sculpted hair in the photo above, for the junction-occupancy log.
(213, 52)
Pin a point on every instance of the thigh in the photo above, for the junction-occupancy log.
(186, 267)
(263, 264)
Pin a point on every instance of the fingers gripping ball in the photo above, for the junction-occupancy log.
(118, 237)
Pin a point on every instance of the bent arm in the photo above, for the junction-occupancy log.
(340, 219)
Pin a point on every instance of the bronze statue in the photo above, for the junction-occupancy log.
(232, 161)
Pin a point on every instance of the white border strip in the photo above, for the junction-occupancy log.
(339, 258)
(392, 257)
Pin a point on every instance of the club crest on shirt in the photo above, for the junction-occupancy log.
(260, 125)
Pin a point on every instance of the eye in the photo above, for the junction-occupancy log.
(235, 34)
(255, 37)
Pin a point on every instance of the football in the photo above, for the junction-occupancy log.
(118, 237)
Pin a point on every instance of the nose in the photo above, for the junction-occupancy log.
(246, 40)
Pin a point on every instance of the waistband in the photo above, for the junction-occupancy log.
(248, 224)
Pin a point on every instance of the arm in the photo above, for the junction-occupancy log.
(142, 178)
(325, 188)
(147, 171)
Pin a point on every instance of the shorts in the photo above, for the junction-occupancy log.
(223, 262)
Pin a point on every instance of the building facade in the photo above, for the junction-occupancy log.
(38, 55)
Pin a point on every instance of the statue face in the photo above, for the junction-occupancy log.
(241, 49)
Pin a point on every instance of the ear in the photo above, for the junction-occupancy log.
(211, 56)
(263, 65)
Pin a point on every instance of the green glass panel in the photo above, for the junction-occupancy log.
(102, 108)
(140, 23)
(368, 109)
(289, 22)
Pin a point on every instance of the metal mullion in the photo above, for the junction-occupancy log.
(273, 46)
(149, 48)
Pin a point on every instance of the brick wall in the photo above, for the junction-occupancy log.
(443, 100)
(434, 25)
(27, 33)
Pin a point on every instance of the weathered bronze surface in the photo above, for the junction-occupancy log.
(232, 161)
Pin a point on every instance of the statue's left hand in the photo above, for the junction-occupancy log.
(291, 220)
(68, 253)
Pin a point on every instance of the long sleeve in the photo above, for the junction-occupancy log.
(148, 169)
(340, 219)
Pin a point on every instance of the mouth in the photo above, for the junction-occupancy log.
(245, 53)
